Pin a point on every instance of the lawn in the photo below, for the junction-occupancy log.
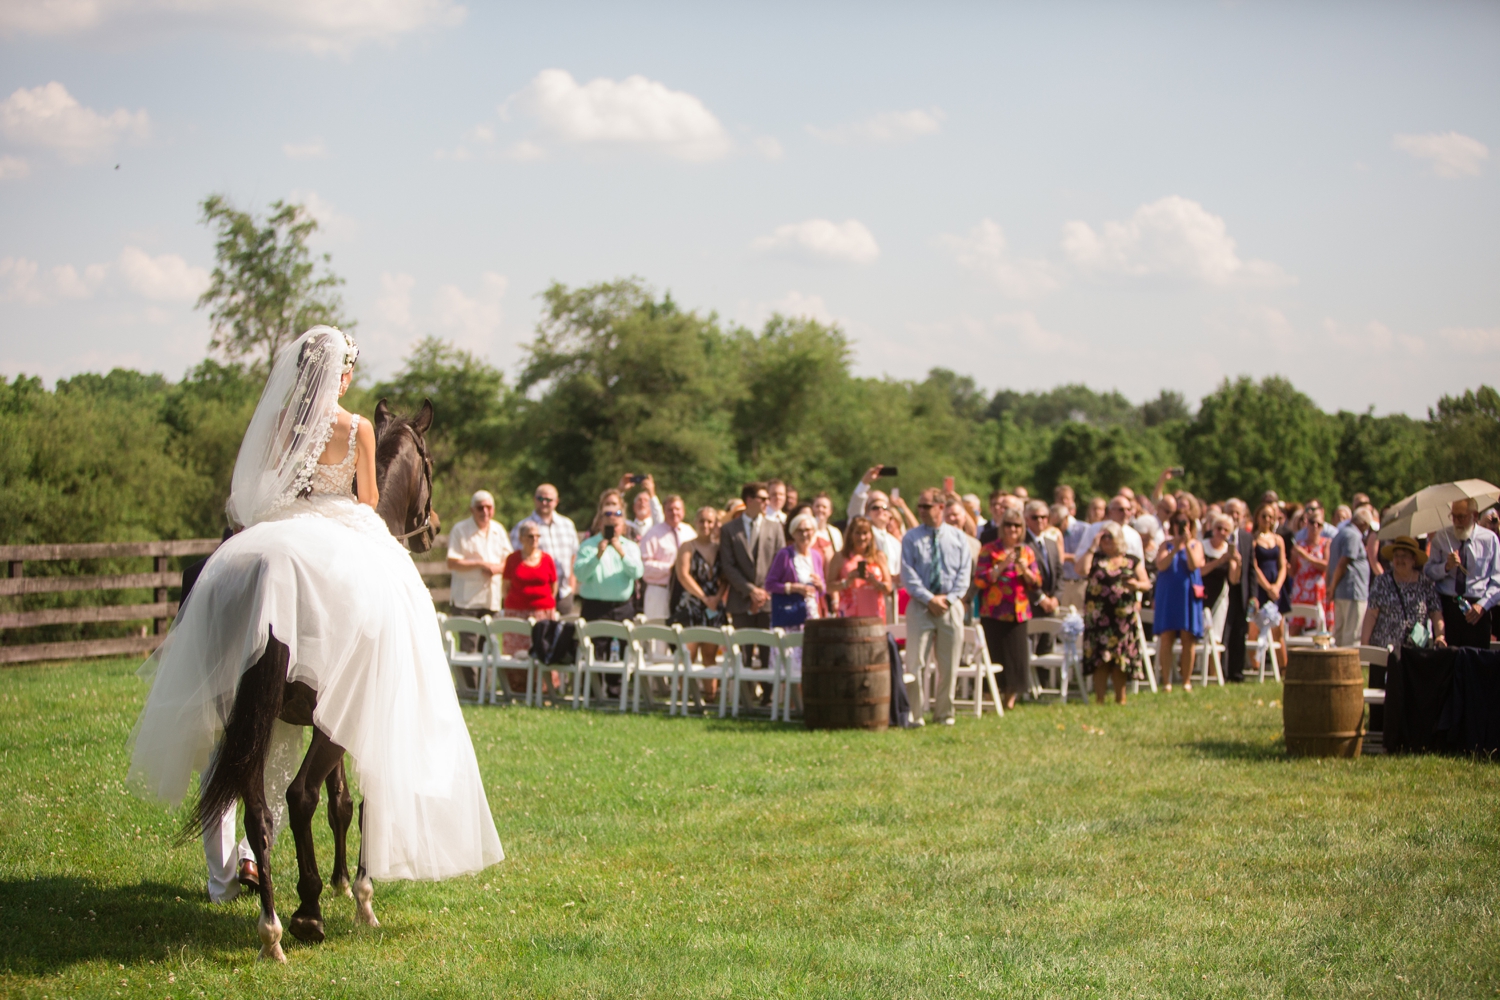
(1166, 849)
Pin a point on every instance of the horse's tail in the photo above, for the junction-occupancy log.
(240, 759)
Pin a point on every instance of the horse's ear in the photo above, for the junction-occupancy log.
(382, 417)
(423, 419)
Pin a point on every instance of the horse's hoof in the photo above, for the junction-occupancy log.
(364, 912)
(309, 929)
(342, 887)
(269, 929)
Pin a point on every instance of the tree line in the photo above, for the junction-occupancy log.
(618, 378)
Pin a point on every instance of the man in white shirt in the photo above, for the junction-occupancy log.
(647, 515)
(875, 505)
(477, 547)
(1118, 511)
(559, 540)
(659, 548)
(775, 509)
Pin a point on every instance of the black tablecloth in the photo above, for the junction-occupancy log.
(1445, 700)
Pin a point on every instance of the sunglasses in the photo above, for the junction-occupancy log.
(925, 506)
(542, 499)
(613, 513)
(882, 507)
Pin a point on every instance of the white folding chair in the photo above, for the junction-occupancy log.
(696, 672)
(1374, 656)
(791, 672)
(1053, 662)
(1148, 655)
(1309, 611)
(1211, 650)
(738, 639)
(1263, 648)
(450, 629)
(590, 666)
(655, 648)
(500, 663)
(976, 666)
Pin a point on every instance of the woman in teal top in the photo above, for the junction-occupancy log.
(607, 567)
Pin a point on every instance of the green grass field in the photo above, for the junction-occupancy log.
(1166, 849)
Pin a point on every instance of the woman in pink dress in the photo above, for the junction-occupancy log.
(1310, 563)
(858, 575)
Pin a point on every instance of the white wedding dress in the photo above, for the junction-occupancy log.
(325, 575)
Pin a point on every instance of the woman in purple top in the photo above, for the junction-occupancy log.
(798, 568)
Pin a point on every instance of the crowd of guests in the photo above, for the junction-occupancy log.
(770, 558)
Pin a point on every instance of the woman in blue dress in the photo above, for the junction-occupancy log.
(1179, 597)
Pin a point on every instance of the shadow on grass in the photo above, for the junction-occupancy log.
(46, 924)
(1243, 750)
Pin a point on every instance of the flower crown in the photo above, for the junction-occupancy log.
(351, 351)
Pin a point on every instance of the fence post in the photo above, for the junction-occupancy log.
(159, 625)
(17, 569)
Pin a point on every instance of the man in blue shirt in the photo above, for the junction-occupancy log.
(936, 569)
(1349, 578)
(1464, 562)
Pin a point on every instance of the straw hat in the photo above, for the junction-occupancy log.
(1403, 543)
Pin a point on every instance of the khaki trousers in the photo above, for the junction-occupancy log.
(927, 634)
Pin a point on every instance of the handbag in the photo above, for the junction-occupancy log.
(788, 610)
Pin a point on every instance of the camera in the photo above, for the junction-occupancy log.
(887, 471)
(862, 571)
(637, 479)
(609, 532)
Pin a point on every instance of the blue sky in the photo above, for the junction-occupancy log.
(1138, 196)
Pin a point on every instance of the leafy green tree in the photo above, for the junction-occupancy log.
(1099, 460)
(1466, 436)
(1387, 457)
(1248, 438)
(1063, 404)
(475, 423)
(1167, 408)
(266, 288)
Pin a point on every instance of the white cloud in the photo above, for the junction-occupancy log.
(313, 149)
(1371, 340)
(332, 224)
(50, 117)
(1174, 237)
(1029, 332)
(70, 284)
(634, 111)
(768, 147)
(1452, 154)
(888, 126)
(847, 241)
(18, 280)
(470, 322)
(12, 167)
(984, 250)
(796, 305)
(320, 26)
(1473, 339)
(394, 302)
(165, 278)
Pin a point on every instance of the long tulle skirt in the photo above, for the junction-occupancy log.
(344, 596)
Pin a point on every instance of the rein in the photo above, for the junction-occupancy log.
(426, 525)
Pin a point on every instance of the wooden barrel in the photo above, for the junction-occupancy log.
(1323, 704)
(846, 674)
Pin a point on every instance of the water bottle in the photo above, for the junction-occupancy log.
(1463, 604)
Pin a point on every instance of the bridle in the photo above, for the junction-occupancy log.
(426, 525)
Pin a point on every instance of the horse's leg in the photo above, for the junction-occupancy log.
(364, 889)
(323, 755)
(340, 815)
(258, 833)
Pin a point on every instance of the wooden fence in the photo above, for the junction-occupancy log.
(155, 616)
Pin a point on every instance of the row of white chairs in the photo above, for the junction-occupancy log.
(640, 652)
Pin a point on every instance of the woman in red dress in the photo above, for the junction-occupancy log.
(528, 589)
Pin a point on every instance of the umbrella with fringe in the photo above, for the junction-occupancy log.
(1426, 510)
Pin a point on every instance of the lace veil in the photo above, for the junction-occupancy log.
(291, 425)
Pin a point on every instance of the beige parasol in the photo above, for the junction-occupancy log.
(1426, 510)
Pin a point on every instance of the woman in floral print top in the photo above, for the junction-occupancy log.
(1005, 571)
(1110, 650)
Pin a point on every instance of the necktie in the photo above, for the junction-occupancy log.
(937, 566)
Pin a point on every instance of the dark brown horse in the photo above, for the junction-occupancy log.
(403, 473)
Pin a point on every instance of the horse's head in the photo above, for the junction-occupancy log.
(403, 473)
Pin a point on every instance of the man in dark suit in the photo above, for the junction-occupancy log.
(1048, 563)
(1239, 596)
(747, 544)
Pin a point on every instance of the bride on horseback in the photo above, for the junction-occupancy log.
(315, 613)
